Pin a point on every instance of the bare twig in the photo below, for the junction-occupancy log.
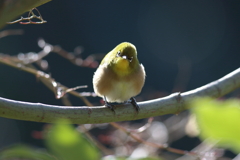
(138, 139)
(11, 32)
(90, 61)
(143, 128)
(205, 150)
(29, 18)
(62, 91)
(30, 57)
(44, 78)
(237, 157)
(106, 151)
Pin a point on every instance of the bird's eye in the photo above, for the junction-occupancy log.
(130, 59)
(118, 53)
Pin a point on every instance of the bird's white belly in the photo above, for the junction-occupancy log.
(121, 92)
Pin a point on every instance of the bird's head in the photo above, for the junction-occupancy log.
(122, 59)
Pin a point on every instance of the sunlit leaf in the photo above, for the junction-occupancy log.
(24, 152)
(219, 121)
(68, 144)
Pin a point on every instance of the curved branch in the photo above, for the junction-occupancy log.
(171, 104)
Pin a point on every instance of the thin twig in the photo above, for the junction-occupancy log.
(61, 92)
(90, 61)
(11, 32)
(45, 78)
(29, 18)
(205, 150)
(138, 139)
(143, 128)
(99, 145)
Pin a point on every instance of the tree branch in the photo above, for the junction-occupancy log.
(171, 104)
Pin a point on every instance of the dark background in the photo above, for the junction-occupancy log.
(182, 44)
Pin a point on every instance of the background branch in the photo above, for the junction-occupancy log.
(11, 32)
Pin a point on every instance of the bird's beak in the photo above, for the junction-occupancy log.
(124, 57)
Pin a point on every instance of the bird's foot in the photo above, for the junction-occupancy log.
(110, 106)
(135, 105)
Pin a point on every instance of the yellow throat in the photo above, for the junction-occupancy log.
(122, 67)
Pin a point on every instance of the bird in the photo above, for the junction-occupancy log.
(120, 76)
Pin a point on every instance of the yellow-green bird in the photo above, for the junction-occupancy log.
(120, 76)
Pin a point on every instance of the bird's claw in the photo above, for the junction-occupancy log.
(134, 103)
(110, 106)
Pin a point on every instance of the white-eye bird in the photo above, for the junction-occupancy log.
(120, 76)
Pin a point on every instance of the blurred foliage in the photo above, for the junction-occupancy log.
(67, 143)
(63, 142)
(25, 152)
(13, 8)
(219, 121)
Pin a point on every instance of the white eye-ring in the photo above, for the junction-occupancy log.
(118, 53)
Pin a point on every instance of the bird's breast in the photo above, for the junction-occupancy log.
(121, 91)
(118, 88)
(122, 67)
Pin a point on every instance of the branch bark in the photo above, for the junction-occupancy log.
(171, 104)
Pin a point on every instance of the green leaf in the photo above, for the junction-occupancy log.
(68, 144)
(11, 9)
(219, 121)
(22, 151)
